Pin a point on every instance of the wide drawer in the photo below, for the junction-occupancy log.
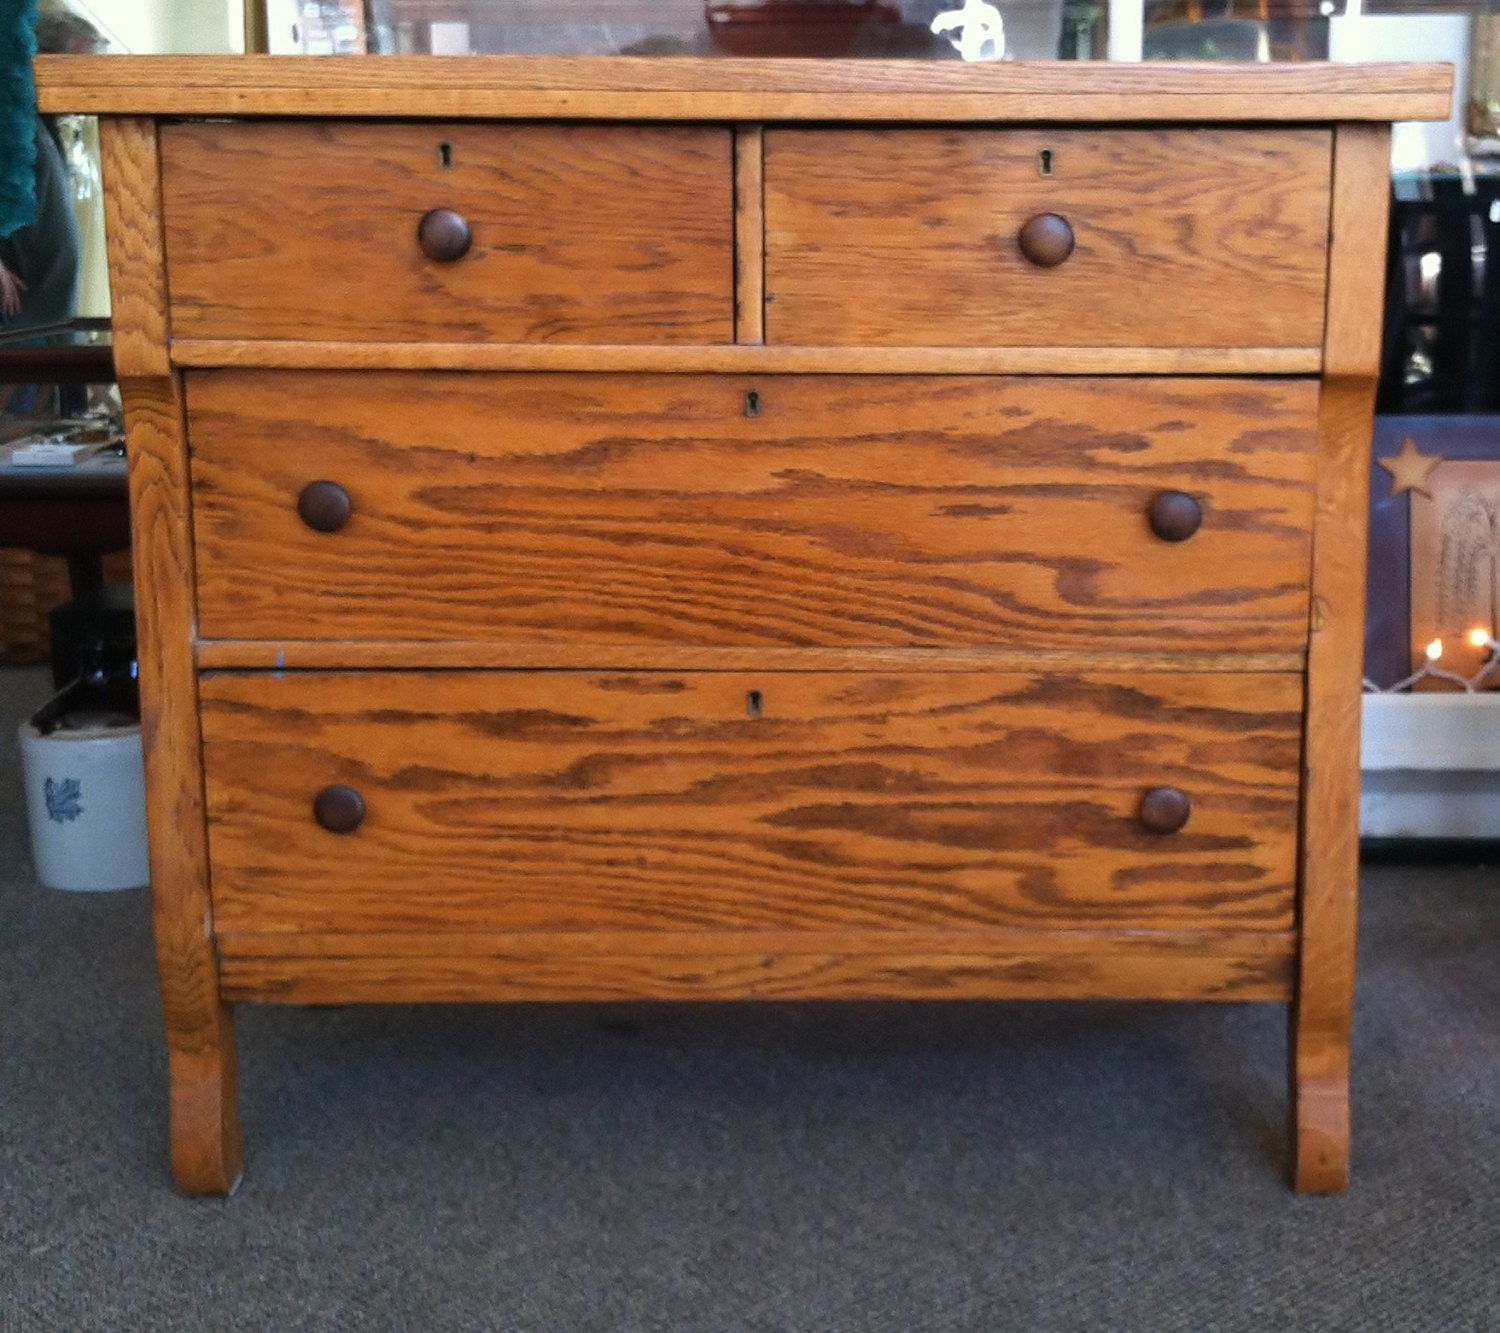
(558, 801)
(577, 233)
(1179, 237)
(774, 511)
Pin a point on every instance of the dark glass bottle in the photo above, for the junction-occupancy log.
(104, 695)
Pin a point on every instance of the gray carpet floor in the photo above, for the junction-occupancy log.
(825, 1168)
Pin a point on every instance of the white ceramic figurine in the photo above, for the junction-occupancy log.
(973, 28)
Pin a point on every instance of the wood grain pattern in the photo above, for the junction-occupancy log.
(1172, 248)
(376, 654)
(749, 235)
(132, 220)
(854, 695)
(581, 233)
(207, 1156)
(848, 964)
(859, 512)
(1322, 1015)
(624, 87)
(272, 354)
(561, 801)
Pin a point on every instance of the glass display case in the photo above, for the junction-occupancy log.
(1032, 29)
(817, 28)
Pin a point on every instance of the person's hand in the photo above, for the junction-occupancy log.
(11, 288)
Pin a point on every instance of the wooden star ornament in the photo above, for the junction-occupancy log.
(1409, 469)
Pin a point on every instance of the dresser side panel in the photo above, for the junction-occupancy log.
(1322, 1014)
(207, 1153)
(133, 237)
(206, 1147)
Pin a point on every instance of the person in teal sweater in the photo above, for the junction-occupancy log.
(40, 250)
(17, 135)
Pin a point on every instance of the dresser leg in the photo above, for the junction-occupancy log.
(1329, 880)
(1319, 1104)
(207, 1151)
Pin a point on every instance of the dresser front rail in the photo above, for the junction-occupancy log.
(833, 965)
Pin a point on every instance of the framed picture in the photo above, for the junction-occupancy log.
(1434, 560)
(307, 27)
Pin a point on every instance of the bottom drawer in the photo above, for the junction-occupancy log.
(567, 802)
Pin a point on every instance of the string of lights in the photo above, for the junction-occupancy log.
(1430, 670)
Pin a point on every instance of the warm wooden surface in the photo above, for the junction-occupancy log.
(132, 218)
(847, 964)
(849, 512)
(867, 685)
(748, 359)
(581, 233)
(908, 236)
(207, 1150)
(207, 1156)
(382, 654)
(749, 235)
(563, 801)
(1323, 1012)
(758, 90)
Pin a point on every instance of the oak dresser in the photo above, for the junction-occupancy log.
(706, 529)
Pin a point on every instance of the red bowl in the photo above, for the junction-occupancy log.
(793, 27)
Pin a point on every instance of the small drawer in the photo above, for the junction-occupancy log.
(469, 232)
(1046, 237)
(776, 511)
(777, 801)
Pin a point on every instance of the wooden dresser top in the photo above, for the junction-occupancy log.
(646, 88)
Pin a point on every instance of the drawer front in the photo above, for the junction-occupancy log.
(775, 511)
(565, 801)
(1179, 238)
(577, 233)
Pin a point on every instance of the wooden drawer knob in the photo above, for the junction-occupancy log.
(444, 235)
(1164, 810)
(1175, 516)
(339, 809)
(1046, 240)
(324, 506)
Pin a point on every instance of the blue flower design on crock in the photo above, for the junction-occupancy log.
(63, 799)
